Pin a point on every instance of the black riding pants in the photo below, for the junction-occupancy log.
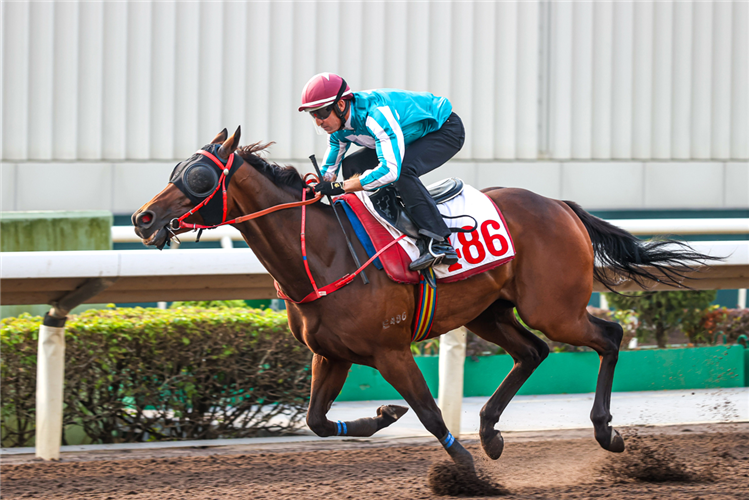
(422, 156)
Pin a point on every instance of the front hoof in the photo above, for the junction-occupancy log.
(462, 458)
(616, 444)
(611, 441)
(493, 444)
(391, 413)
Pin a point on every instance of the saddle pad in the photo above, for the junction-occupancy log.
(485, 248)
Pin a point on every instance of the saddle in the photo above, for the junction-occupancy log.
(389, 205)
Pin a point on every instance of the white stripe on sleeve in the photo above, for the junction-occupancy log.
(387, 151)
(388, 114)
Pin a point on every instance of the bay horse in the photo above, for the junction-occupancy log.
(549, 283)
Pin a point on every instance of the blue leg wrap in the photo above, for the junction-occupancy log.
(448, 440)
(342, 430)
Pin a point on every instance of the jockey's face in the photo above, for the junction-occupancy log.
(332, 123)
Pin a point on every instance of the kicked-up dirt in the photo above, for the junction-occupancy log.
(694, 462)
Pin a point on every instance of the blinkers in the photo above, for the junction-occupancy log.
(199, 176)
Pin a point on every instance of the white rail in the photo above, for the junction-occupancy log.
(125, 234)
(683, 226)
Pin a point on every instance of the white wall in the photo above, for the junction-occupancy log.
(122, 187)
(146, 80)
(610, 102)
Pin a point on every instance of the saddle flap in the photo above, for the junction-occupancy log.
(387, 203)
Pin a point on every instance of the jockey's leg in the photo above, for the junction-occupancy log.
(328, 377)
(422, 156)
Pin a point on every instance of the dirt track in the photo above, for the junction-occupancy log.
(708, 462)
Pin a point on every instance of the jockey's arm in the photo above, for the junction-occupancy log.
(390, 146)
(352, 185)
(333, 158)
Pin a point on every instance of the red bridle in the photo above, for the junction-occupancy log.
(309, 178)
(179, 222)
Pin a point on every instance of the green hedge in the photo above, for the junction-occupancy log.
(138, 374)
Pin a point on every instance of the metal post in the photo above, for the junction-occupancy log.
(742, 298)
(451, 361)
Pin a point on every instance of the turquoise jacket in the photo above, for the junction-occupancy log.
(387, 120)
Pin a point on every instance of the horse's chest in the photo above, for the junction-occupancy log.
(301, 331)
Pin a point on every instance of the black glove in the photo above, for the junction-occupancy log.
(330, 188)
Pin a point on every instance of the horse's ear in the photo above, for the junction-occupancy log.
(230, 145)
(221, 137)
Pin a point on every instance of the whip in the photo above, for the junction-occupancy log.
(348, 242)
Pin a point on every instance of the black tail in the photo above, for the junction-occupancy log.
(620, 254)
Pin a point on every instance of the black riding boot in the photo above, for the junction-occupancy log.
(434, 251)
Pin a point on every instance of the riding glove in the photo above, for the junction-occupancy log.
(330, 188)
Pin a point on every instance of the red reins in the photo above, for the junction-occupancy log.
(317, 292)
(336, 285)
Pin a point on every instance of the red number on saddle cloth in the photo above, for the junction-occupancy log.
(467, 244)
(489, 239)
(495, 243)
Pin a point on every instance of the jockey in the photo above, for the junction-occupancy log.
(404, 135)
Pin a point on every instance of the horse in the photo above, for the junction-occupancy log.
(549, 283)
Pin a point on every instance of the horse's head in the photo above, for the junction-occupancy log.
(193, 181)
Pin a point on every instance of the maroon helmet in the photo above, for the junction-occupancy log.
(323, 90)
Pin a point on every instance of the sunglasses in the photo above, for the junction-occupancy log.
(322, 113)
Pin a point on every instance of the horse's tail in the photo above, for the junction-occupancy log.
(620, 254)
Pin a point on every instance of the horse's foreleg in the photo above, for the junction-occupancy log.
(328, 377)
(606, 344)
(400, 371)
(499, 325)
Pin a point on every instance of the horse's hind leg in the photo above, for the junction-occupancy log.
(400, 371)
(603, 337)
(606, 344)
(328, 377)
(499, 325)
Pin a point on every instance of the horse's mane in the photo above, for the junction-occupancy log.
(279, 175)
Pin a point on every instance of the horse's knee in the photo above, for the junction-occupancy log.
(319, 425)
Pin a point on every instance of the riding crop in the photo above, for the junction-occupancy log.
(348, 242)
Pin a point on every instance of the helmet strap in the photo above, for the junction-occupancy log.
(340, 114)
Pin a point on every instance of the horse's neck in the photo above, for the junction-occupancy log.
(276, 238)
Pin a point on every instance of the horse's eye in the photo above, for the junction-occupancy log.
(200, 180)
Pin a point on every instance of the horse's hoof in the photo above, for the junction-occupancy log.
(493, 444)
(391, 413)
(462, 458)
(617, 442)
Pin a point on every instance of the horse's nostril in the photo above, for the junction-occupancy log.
(144, 219)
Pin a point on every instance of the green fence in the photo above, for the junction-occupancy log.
(576, 372)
